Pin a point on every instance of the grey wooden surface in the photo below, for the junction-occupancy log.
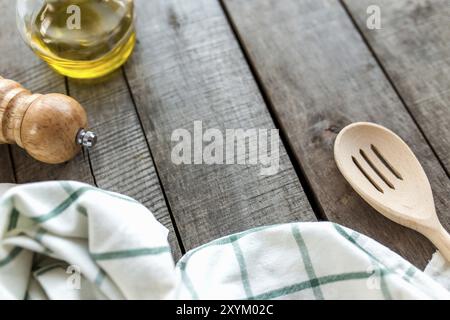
(122, 162)
(414, 48)
(20, 64)
(6, 169)
(331, 79)
(110, 110)
(186, 67)
(306, 67)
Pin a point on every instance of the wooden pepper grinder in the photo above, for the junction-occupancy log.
(51, 127)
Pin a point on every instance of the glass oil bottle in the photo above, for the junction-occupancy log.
(79, 38)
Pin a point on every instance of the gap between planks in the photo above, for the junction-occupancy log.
(84, 151)
(172, 218)
(304, 181)
(323, 121)
(392, 83)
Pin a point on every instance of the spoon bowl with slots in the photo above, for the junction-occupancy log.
(384, 171)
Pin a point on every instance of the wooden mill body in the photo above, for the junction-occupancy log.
(46, 126)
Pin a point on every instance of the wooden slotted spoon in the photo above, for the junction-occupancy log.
(383, 170)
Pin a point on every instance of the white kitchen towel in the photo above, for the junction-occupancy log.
(67, 240)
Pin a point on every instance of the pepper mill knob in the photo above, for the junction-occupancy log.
(51, 127)
(86, 139)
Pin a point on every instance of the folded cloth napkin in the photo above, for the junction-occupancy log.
(67, 240)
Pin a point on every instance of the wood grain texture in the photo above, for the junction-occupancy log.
(110, 112)
(320, 76)
(6, 168)
(381, 168)
(414, 48)
(188, 66)
(121, 161)
(20, 64)
(46, 126)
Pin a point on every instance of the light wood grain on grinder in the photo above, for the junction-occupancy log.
(46, 126)
(20, 64)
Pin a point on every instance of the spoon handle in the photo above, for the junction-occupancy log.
(441, 240)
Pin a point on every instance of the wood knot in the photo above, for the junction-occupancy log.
(333, 129)
(173, 20)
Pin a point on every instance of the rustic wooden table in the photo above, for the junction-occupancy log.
(306, 67)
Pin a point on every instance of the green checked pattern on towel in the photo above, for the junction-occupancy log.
(67, 240)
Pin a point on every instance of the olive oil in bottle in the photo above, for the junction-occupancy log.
(83, 38)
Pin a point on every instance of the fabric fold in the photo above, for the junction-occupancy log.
(68, 240)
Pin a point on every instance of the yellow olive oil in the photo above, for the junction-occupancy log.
(84, 38)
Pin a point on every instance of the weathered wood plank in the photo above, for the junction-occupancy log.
(320, 76)
(6, 169)
(121, 161)
(414, 48)
(188, 66)
(20, 64)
